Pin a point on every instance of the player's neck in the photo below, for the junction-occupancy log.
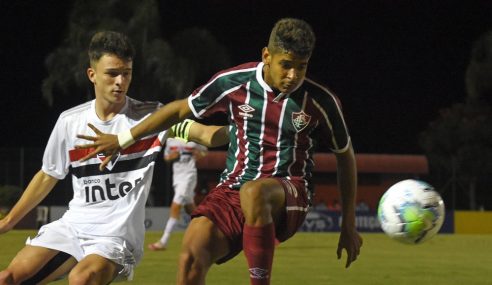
(107, 110)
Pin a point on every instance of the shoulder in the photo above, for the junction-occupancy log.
(76, 112)
(245, 67)
(227, 79)
(320, 93)
(237, 73)
(142, 108)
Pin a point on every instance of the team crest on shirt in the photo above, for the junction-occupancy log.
(113, 161)
(300, 120)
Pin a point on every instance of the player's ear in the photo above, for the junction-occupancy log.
(266, 56)
(91, 74)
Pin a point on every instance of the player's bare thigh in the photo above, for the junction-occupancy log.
(31, 259)
(94, 268)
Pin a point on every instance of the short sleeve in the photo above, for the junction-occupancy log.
(55, 159)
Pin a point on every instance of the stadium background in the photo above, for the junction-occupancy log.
(393, 64)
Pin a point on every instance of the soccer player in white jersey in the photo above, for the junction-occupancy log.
(100, 237)
(183, 155)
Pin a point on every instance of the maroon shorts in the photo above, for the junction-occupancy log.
(222, 206)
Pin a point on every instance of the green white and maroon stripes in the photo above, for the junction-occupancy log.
(270, 134)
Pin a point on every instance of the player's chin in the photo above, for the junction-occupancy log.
(118, 97)
(287, 88)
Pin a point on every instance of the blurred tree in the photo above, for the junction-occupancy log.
(458, 143)
(163, 70)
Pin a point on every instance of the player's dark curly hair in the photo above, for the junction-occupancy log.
(109, 42)
(293, 36)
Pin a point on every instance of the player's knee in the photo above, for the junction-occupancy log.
(254, 193)
(255, 201)
(191, 264)
(7, 277)
(77, 277)
(187, 260)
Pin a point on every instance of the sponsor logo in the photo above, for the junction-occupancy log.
(108, 191)
(245, 110)
(91, 181)
(258, 273)
(300, 120)
(329, 221)
(113, 161)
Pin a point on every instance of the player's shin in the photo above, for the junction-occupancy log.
(259, 245)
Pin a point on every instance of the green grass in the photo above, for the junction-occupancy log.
(310, 258)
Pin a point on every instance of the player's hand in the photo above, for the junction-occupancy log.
(172, 156)
(351, 241)
(4, 225)
(102, 143)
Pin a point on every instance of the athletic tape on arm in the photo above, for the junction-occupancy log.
(182, 130)
(125, 139)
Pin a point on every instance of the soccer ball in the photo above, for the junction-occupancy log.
(411, 211)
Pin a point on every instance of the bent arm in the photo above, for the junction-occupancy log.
(110, 144)
(39, 187)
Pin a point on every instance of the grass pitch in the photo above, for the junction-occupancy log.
(310, 258)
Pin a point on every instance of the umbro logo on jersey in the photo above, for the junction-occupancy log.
(246, 109)
(300, 120)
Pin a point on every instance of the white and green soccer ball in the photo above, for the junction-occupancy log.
(411, 211)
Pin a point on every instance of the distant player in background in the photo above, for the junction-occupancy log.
(183, 156)
(276, 118)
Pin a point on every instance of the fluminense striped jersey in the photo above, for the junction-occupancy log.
(111, 202)
(271, 135)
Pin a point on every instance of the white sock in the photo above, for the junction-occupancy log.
(167, 231)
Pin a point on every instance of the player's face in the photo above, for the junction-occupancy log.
(284, 71)
(111, 76)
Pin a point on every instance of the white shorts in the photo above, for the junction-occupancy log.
(60, 236)
(184, 192)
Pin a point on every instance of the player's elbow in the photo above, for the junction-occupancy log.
(220, 137)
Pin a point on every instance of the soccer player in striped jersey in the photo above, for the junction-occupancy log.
(276, 116)
(100, 237)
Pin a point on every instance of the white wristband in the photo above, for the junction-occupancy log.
(125, 139)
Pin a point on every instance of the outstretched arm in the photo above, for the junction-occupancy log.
(350, 240)
(160, 120)
(39, 187)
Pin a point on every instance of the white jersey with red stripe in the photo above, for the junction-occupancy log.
(185, 167)
(109, 202)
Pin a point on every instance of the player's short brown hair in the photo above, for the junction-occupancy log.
(110, 42)
(293, 36)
